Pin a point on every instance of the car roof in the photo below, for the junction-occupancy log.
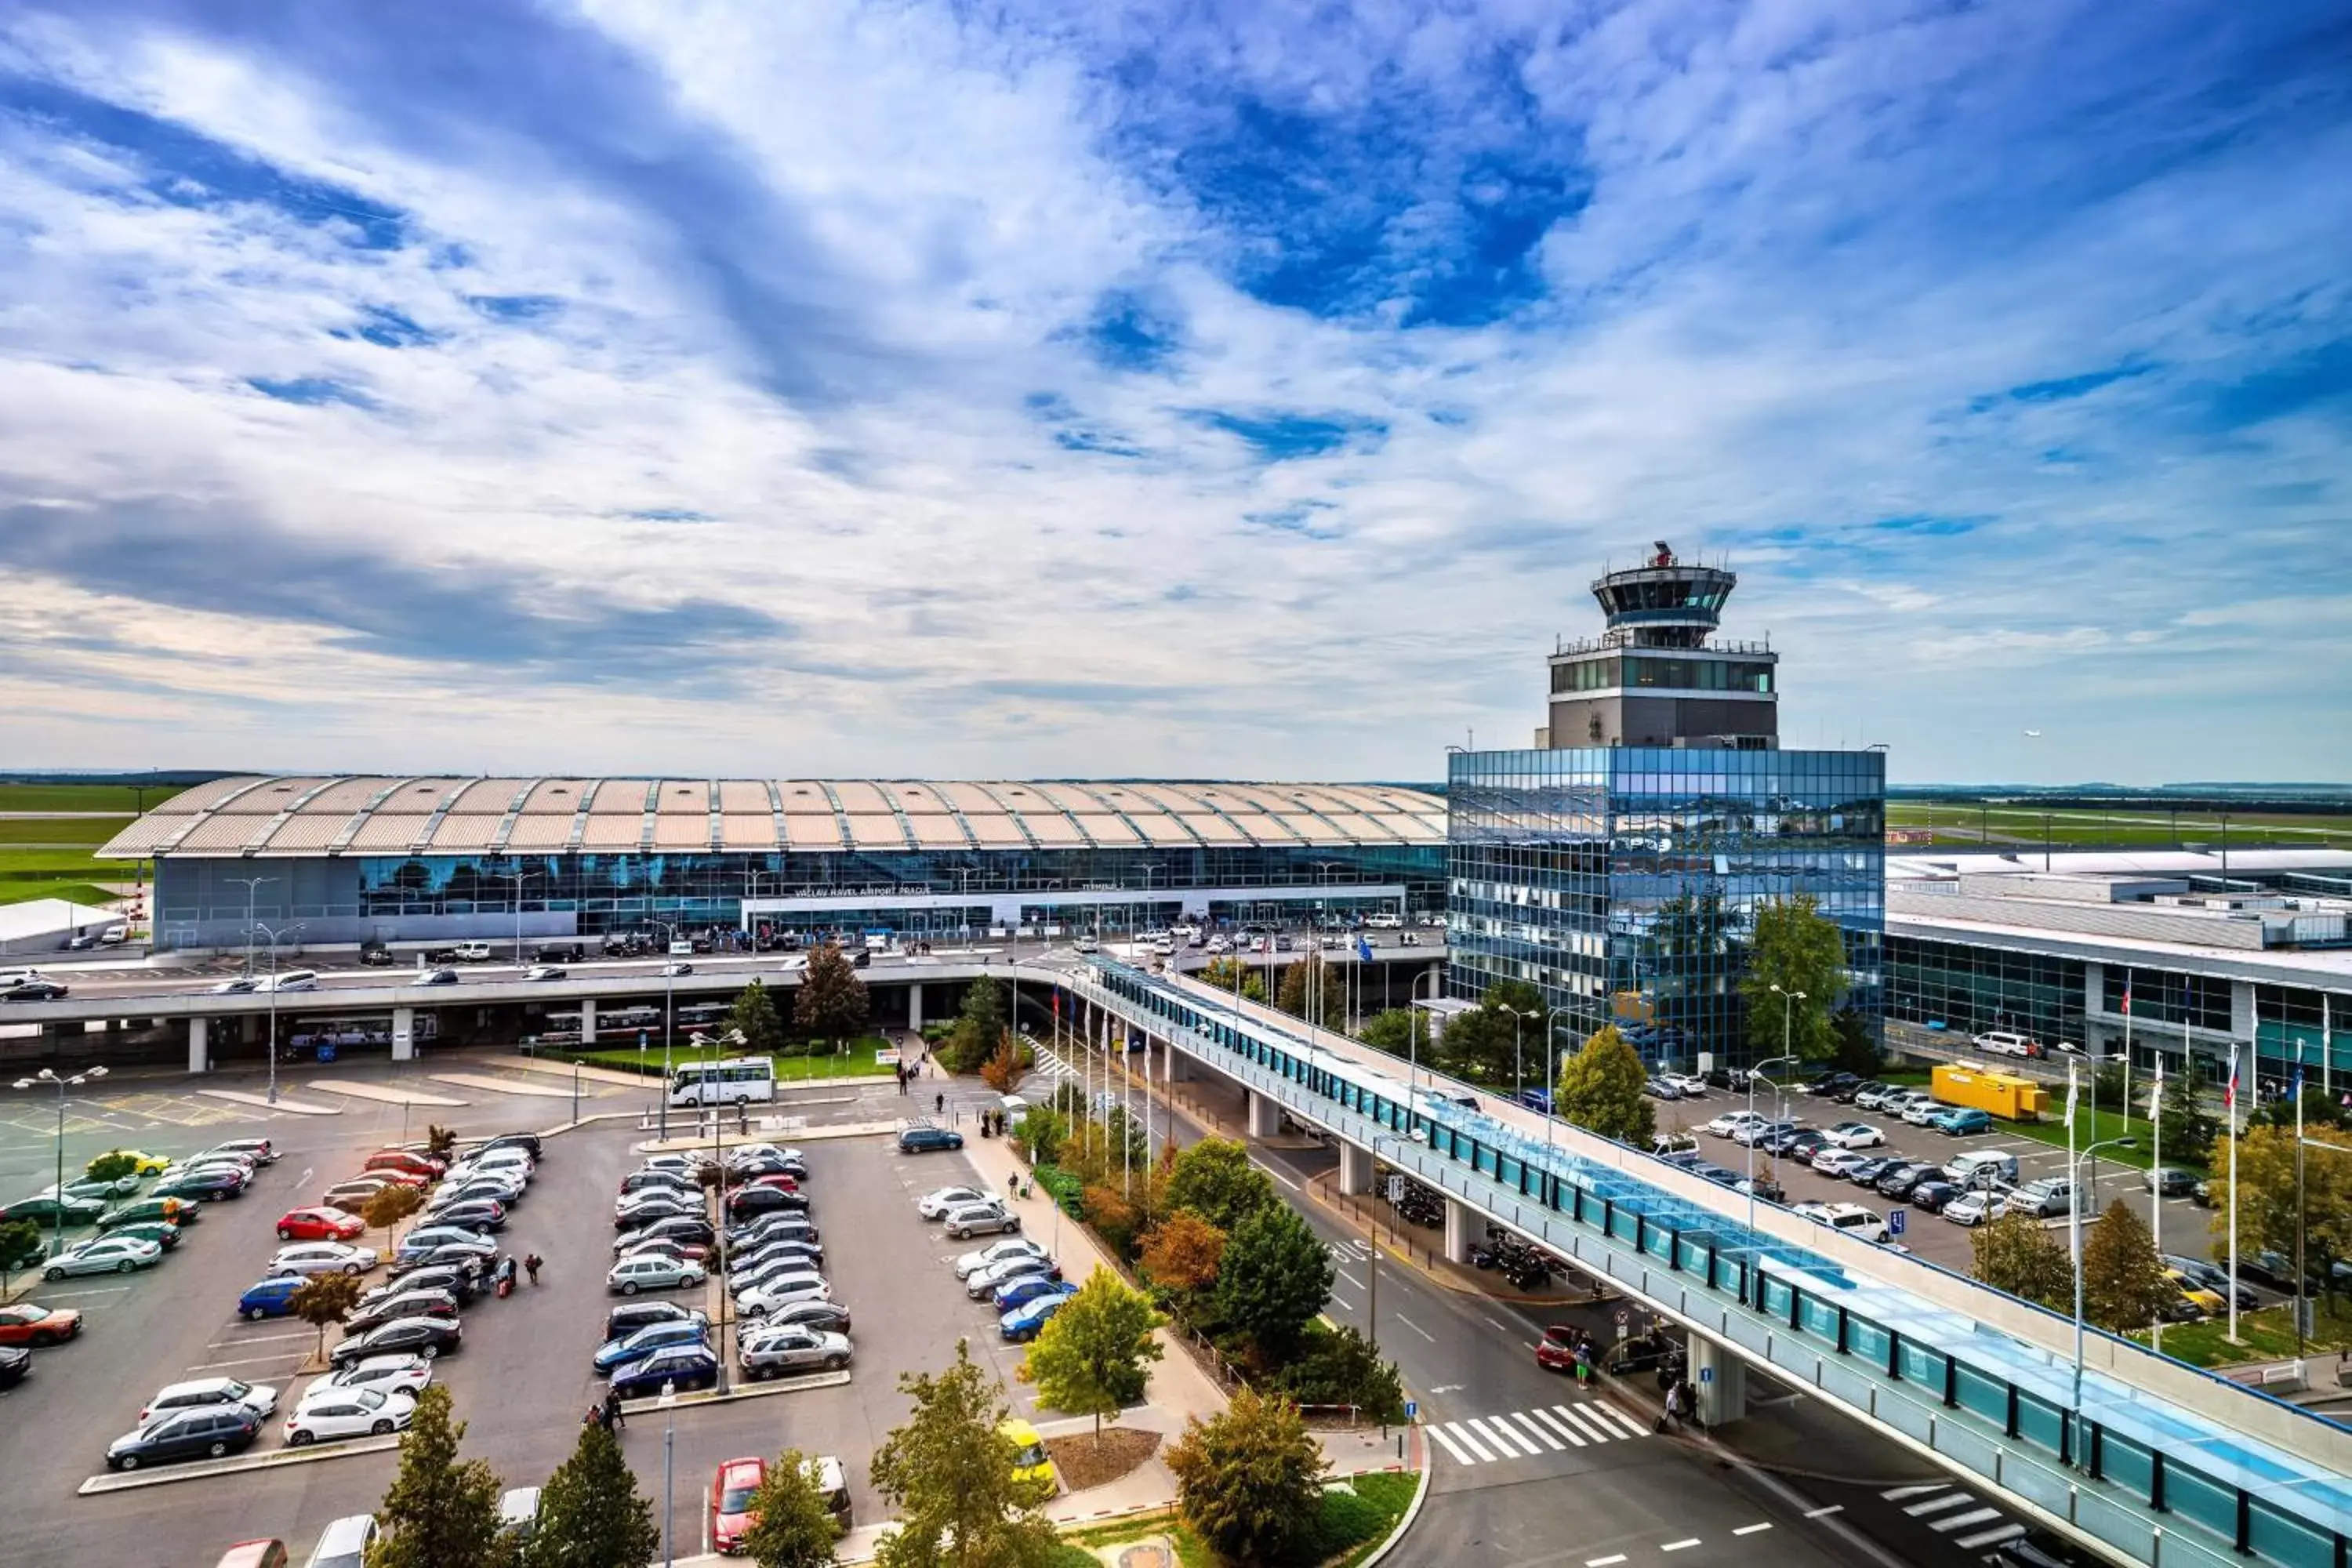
(742, 1472)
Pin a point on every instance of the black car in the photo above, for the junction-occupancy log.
(1847, 1095)
(473, 1214)
(526, 1142)
(205, 1186)
(687, 1366)
(2040, 1549)
(770, 1228)
(2171, 1182)
(34, 991)
(460, 1283)
(455, 1253)
(759, 1165)
(1867, 1174)
(928, 1139)
(1930, 1196)
(655, 1205)
(826, 1317)
(14, 1364)
(199, 1432)
(745, 1202)
(676, 1182)
(426, 1337)
(630, 1316)
(690, 1228)
(804, 1254)
(1898, 1180)
(409, 1304)
(44, 1210)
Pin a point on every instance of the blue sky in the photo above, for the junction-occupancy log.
(1189, 388)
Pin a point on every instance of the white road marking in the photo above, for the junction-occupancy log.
(1990, 1537)
(1500, 1431)
(1896, 1494)
(1469, 1439)
(1605, 1562)
(1349, 1278)
(1277, 1175)
(1633, 1428)
(1751, 1528)
(1450, 1446)
(1584, 1423)
(1962, 1521)
(1342, 1302)
(247, 1360)
(1826, 1510)
(1679, 1545)
(1547, 1417)
(1416, 1328)
(259, 1340)
(1548, 1441)
(1498, 1328)
(77, 1295)
(1939, 1504)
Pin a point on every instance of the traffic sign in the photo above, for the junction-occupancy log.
(1396, 1189)
(1706, 1374)
(1623, 1317)
(1895, 1222)
(1412, 1408)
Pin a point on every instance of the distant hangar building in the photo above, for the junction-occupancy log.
(444, 857)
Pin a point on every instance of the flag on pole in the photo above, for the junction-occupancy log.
(2070, 1095)
(2155, 1094)
(2128, 999)
(2229, 1095)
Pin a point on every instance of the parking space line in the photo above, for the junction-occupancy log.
(1751, 1528)
(247, 1361)
(1826, 1510)
(258, 1339)
(1683, 1544)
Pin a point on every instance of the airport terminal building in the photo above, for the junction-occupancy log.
(403, 859)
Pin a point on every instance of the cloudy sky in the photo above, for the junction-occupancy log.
(1241, 389)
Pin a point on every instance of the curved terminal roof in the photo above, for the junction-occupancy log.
(255, 815)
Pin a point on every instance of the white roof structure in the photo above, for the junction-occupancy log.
(263, 815)
(42, 922)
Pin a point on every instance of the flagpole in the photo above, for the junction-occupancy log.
(2075, 1246)
(2232, 1107)
(2299, 1287)
(2156, 1157)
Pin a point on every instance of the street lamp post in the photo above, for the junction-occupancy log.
(1753, 1074)
(1552, 1066)
(670, 1472)
(2075, 1222)
(517, 877)
(733, 1040)
(248, 884)
(669, 1013)
(274, 937)
(1411, 1037)
(1518, 1061)
(57, 1197)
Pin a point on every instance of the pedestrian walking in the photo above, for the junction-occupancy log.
(1676, 1412)
(614, 1417)
(940, 1104)
(530, 1266)
(1584, 1365)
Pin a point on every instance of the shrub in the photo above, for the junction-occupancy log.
(1341, 1367)
(1341, 1519)
(1065, 1189)
(1113, 1217)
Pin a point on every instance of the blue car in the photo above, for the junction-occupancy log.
(926, 1140)
(1023, 1322)
(1960, 1124)
(269, 1298)
(1020, 1292)
(688, 1366)
(646, 1341)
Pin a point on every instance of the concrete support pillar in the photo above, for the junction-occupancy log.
(587, 1021)
(1355, 1170)
(200, 1058)
(2242, 1021)
(1721, 1380)
(1265, 1116)
(1180, 1067)
(1464, 1229)
(915, 1008)
(403, 1034)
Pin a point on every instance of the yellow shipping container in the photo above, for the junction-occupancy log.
(2001, 1093)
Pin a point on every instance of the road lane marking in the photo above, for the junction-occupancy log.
(1498, 1439)
(1416, 1328)
(1342, 1302)
(1552, 1421)
(1277, 1175)
(1938, 1504)
(1469, 1440)
(1990, 1537)
(1450, 1446)
(1585, 1423)
(1613, 1558)
(1896, 1494)
(1962, 1521)
(1349, 1278)
(1550, 1441)
(1608, 1412)
(247, 1361)
(1680, 1545)
(1824, 1511)
(1498, 1328)
(258, 1339)
(1751, 1528)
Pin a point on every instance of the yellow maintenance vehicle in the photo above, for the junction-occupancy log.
(2000, 1093)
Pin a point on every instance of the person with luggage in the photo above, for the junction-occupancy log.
(530, 1266)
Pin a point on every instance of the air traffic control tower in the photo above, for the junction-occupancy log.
(1654, 676)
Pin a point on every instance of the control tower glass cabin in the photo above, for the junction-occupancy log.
(1655, 677)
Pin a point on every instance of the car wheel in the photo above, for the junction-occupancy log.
(761, 1374)
(299, 1438)
(429, 1352)
(53, 1275)
(836, 1362)
(216, 1450)
(629, 1288)
(380, 1429)
(45, 1339)
(124, 1267)
(127, 1462)
(1012, 1226)
(354, 1270)
(284, 1232)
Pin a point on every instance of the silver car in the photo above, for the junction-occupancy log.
(970, 1263)
(631, 1275)
(981, 1219)
(981, 1283)
(772, 1353)
(103, 1255)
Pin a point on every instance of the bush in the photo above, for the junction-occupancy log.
(1112, 1216)
(1343, 1520)
(1065, 1188)
(1341, 1367)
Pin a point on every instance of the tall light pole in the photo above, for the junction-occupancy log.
(669, 1011)
(274, 937)
(1411, 1037)
(669, 1470)
(1753, 1074)
(57, 1197)
(248, 884)
(517, 877)
(1552, 1068)
(2074, 1222)
(733, 1040)
(1518, 1061)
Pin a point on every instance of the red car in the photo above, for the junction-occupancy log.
(731, 1502)
(1555, 1351)
(779, 1181)
(26, 1324)
(407, 1159)
(320, 1225)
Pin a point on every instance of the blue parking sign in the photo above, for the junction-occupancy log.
(1895, 1222)
(1412, 1408)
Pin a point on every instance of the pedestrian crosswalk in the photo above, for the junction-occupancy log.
(1949, 1511)
(1534, 1432)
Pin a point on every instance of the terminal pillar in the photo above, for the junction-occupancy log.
(199, 1048)
(1460, 1233)
(1721, 1380)
(1355, 1170)
(1265, 1115)
(914, 1007)
(403, 1034)
(587, 1021)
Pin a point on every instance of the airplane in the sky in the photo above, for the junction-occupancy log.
(2033, 734)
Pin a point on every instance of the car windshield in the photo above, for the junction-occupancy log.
(369, 1397)
(1032, 1455)
(236, 1390)
(736, 1499)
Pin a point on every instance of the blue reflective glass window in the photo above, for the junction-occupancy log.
(1989, 1397)
(1482, 1158)
(1508, 1172)
(1776, 1297)
(1622, 1222)
(2127, 1464)
(2193, 1497)
(2039, 1423)
(1867, 1341)
(1659, 1242)
(1819, 1320)
(2277, 1537)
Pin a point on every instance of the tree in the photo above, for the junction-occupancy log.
(1273, 1280)
(980, 1029)
(1402, 1032)
(2183, 1124)
(1183, 1251)
(830, 1004)
(1798, 949)
(1222, 973)
(1342, 1367)
(441, 1511)
(2267, 1200)
(949, 1473)
(792, 1523)
(20, 1244)
(1003, 1069)
(2124, 1283)
(2016, 1255)
(1251, 1481)
(1113, 1217)
(1600, 1089)
(325, 1298)
(1090, 1357)
(110, 1166)
(754, 1013)
(440, 1141)
(1857, 1049)
(1311, 990)
(1216, 1180)
(1040, 1133)
(590, 1514)
(389, 1206)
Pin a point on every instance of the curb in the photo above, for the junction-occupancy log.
(588, 1122)
(1404, 1526)
(801, 1384)
(204, 1469)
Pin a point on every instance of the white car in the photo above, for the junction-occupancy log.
(326, 1414)
(972, 1263)
(1693, 1085)
(1731, 1121)
(322, 1257)
(981, 1283)
(743, 1152)
(545, 971)
(934, 1205)
(170, 1400)
(1923, 1111)
(967, 1220)
(648, 1271)
(782, 1291)
(1973, 1209)
(1834, 1162)
(1856, 1135)
(386, 1374)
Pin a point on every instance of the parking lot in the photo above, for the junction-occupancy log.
(523, 1377)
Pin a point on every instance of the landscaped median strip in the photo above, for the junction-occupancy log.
(751, 1391)
(204, 1469)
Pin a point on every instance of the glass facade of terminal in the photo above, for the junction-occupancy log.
(1970, 989)
(1623, 883)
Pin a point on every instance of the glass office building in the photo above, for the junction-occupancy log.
(1623, 882)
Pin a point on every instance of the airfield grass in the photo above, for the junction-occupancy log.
(77, 797)
(1962, 822)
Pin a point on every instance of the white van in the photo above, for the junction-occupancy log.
(2004, 1043)
(288, 980)
(1384, 921)
(9, 977)
(1981, 1167)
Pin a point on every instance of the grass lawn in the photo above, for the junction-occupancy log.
(18, 863)
(2070, 825)
(79, 796)
(2107, 1124)
(51, 831)
(73, 892)
(1389, 1495)
(2269, 1335)
(857, 1061)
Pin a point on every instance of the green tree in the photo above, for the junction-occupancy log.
(1798, 949)
(1039, 1133)
(2016, 1255)
(791, 1525)
(110, 1166)
(1273, 1281)
(590, 1514)
(324, 1299)
(1250, 1481)
(20, 1244)
(1216, 1180)
(755, 1014)
(1402, 1032)
(1090, 1358)
(440, 1141)
(2267, 1199)
(1857, 1047)
(830, 1004)
(388, 1206)
(441, 1511)
(980, 1029)
(1492, 1042)
(1219, 974)
(1311, 989)
(2124, 1283)
(2185, 1127)
(1600, 1089)
(949, 1473)
(1340, 1366)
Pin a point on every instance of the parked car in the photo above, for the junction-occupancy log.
(461, 1254)
(2169, 1181)
(404, 1160)
(1855, 1135)
(687, 1366)
(1731, 1121)
(436, 1238)
(770, 1228)
(207, 1434)
(972, 1263)
(981, 1283)
(2209, 1276)
(935, 1204)
(1930, 1195)
(471, 1214)
(406, 1373)
(981, 1219)
(631, 1275)
(669, 1248)
(1963, 1122)
(207, 1184)
(45, 1210)
(1020, 1291)
(731, 1491)
(319, 1224)
(90, 1187)
(1835, 1162)
(176, 1211)
(352, 1197)
(1903, 1176)
(2042, 1199)
(1922, 1111)
(641, 1343)
(271, 1298)
(25, 1323)
(783, 1290)
(206, 1393)
(1971, 1208)
(324, 1258)
(345, 1542)
(403, 1304)
(774, 1351)
(1024, 1321)
(744, 1203)
(690, 1228)
(630, 1316)
(928, 1139)
(807, 1254)
(1865, 1173)
(333, 1413)
(113, 1253)
(15, 1362)
(673, 1182)
(825, 1317)
(425, 1337)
